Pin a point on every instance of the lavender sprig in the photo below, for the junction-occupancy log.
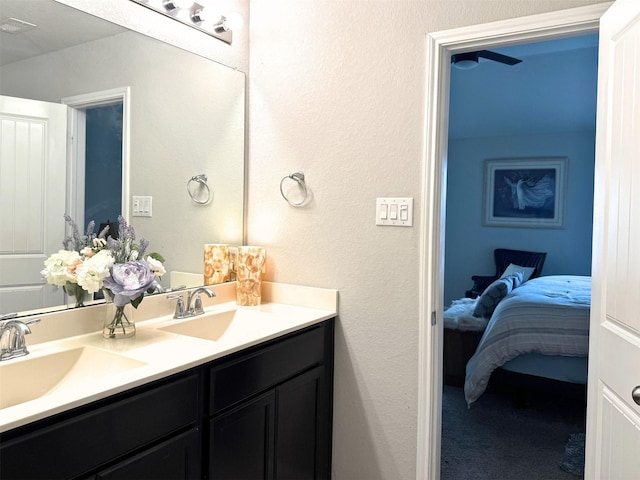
(124, 248)
(142, 248)
(76, 241)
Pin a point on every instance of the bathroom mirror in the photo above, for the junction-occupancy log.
(186, 118)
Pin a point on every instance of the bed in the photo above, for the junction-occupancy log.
(540, 328)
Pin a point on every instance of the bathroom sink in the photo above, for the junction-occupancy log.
(31, 377)
(213, 326)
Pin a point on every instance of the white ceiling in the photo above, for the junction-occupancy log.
(552, 90)
(52, 30)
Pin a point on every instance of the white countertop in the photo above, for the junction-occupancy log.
(284, 309)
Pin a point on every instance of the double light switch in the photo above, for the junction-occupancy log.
(394, 211)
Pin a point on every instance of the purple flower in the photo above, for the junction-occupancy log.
(129, 281)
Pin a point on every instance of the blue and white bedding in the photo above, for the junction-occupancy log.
(547, 315)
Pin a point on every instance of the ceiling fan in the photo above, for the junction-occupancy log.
(469, 60)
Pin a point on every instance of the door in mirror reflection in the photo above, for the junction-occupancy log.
(103, 164)
(33, 150)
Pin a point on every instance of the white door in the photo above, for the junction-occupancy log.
(613, 417)
(33, 155)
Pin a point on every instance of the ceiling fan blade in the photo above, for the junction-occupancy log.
(498, 57)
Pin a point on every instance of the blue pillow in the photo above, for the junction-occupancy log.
(494, 294)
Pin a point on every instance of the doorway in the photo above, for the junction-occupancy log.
(99, 134)
(103, 164)
(543, 106)
(440, 46)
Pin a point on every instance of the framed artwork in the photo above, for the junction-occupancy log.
(525, 192)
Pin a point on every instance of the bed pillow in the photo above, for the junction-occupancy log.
(494, 294)
(512, 268)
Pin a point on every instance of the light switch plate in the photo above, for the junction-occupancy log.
(394, 211)
(142, 206)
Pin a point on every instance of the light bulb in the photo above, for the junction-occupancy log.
(178, 4)
(233, 21)
(207, 14)
(466, 64)
(183, 4)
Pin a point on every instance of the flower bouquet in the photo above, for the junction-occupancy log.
(130, 276)
(75, 268)
(117, 266)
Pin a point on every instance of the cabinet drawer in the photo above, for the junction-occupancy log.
(176, 459)
(252, 373)
(96, 435)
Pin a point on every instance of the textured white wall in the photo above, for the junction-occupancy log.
(337, 91)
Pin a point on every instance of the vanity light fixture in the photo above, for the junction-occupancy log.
(205, 19)
(232, 21)
(177, 4)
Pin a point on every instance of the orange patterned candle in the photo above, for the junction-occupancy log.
(250, 265)
(216, 263)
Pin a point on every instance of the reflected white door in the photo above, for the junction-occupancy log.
(613, 418)
(33, 155)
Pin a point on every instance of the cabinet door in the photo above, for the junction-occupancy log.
(175, 459)
(303, 428)
(241, 446)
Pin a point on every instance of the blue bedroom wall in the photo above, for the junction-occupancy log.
(470, 244)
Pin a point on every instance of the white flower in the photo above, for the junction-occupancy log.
(156, 266)
(133, 256)
(60, 267)
(99, 243)
(94, 270)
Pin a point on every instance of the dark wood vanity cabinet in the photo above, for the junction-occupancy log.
(102, 434)
(279, 434)
(262, 413)
(271, 409)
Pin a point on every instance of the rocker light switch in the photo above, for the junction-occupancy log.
(397, 212)
(142, 206)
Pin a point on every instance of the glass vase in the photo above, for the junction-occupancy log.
(76, 295)
(118, 321)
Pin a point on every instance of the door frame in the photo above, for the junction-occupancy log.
(440, 47)
(76, 144)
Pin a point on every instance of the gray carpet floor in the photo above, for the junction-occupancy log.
(495, 440)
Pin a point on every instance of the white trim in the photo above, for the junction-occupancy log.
(440, 46)
(75, 167)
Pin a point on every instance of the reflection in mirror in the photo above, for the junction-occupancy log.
(182, 115)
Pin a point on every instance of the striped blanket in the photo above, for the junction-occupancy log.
(548, 315)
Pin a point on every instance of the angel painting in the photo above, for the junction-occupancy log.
(526, 192)
(530, 191)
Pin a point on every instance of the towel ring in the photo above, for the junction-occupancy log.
(202, 180)
(297, 177)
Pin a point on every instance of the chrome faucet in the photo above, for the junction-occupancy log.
(194, 302)
(193, 306)
(12, 342)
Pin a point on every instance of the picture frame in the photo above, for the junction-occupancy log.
(525, 192)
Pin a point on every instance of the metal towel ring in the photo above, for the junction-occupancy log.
(202, 180)
(298, 177)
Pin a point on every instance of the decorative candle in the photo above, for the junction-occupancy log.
(216, 263)
(250, 265)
